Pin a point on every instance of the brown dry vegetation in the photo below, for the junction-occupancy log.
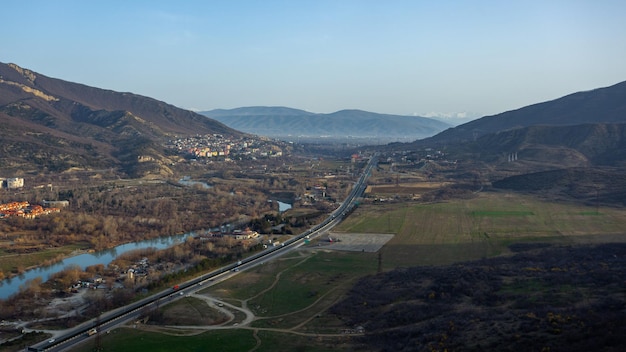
(405, 188)
(105, 212)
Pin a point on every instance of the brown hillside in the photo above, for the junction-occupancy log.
(602, 105)
(51, 124)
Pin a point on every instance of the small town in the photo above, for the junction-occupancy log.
(216, 146)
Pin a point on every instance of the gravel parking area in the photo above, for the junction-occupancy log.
(358, 242)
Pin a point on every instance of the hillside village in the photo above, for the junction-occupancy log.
(22, 208)
(214, 146)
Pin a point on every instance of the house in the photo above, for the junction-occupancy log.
(245, 234)
(15, 182)
(55, 203)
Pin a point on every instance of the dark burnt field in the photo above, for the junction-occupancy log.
(591, 186)
(543, 298)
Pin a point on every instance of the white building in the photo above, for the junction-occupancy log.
(15, 182)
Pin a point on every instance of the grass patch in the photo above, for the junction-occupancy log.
(301, 286)
(132, 340)
(590, 213)
(275, 342)
(190, 311)
(449, 222)
(251, 282)
(310, 288)
(20, 343)
(377, 218)
(466, 229)
(10, 261)
(280, 287)
(313, 320)
(502, 213)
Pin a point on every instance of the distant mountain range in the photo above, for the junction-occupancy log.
(55, 125)
(294, 124)
(48, 124)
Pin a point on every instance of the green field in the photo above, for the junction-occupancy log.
(310, 287)
(446, 232)
(290, 296)
(132, 340)
(461, 221)
(275, 341)
(286, 292)
(495, 213)
(190, 311)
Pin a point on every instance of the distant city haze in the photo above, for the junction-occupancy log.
(427, 58)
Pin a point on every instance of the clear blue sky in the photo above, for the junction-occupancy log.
(399, 57)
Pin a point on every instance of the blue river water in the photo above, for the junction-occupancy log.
(12, 285)
(186, 181)
(283, 206)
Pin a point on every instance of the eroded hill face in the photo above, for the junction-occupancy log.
(55, 125)
(538, 148)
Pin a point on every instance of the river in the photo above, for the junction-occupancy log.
(187, 181)
(283, 206)
(12, 285)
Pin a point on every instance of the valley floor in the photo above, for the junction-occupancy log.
(499, 271)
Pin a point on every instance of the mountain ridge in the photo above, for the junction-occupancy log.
(78, 126)
(584, 145)
(600, 105)
(165, 115)
(280, 122)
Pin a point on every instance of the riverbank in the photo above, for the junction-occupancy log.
(15, 264)
(43, 264)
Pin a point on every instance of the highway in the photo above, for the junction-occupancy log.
(122, 315)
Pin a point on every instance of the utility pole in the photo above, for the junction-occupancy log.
(98, 340)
